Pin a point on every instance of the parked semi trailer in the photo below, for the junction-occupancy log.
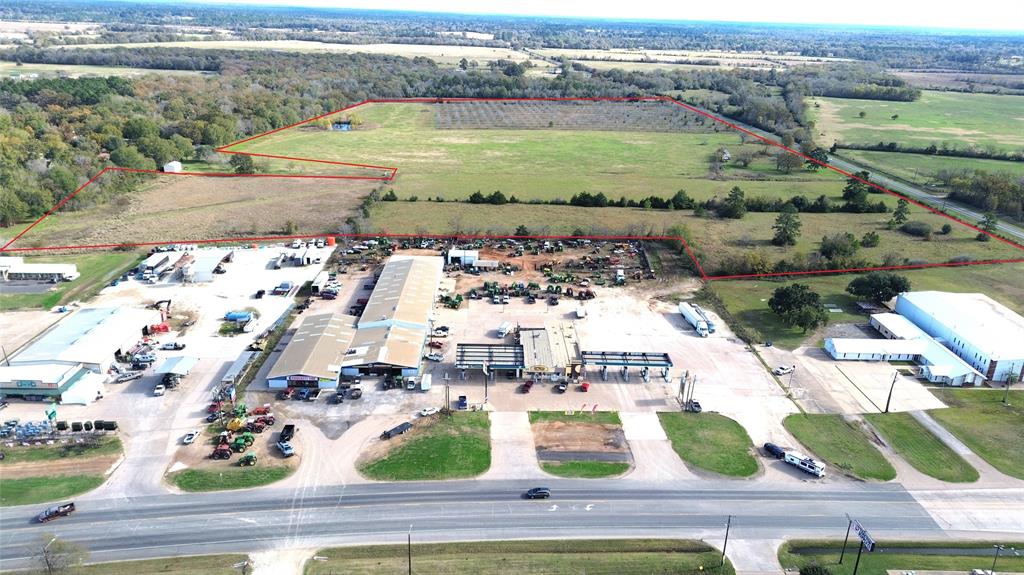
(707, 318)
(693, 318)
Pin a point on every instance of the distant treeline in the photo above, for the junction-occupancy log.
(941, 150)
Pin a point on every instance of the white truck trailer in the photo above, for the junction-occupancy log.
(707, 317)
(804, 463)
(693, 318)
(504, 329)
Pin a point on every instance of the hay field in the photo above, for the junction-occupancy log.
(189, 208)
(962, 120)
(542, 164)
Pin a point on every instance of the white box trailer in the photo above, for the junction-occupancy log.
(504, 328)
(693, 318)
(804, 463)
(425, 382)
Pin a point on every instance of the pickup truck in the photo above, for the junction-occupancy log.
(51, 513)
(287, 433)
(463, 402)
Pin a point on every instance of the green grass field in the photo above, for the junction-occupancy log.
(921, 169)
(188, 565)
(710, 441)
(963, 120)
(28, 490)
(533, 164)
(445, 448)
(992, 430)
(233, 477)
(585, 469)
(97, 269)
(747, 300)
(551, 557)
(841, 444)
(889, 559)
(921, 448)
(601, 417)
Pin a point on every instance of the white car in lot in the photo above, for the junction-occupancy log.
(428, 411)
(159, 390)
(190, 437)
(784, 369)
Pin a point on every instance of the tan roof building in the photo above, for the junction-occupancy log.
(316, 351)
(550, 349)
(395, 345)
(405, 293)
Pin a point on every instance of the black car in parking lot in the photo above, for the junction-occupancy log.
(774, 450)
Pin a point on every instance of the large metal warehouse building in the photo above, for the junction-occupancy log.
(314, 354)
(983, 332)
(393, 329)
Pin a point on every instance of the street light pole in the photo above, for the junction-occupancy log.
(728, 524)
(409, 549)
(996, 558)
(849, 525)
(895, 376)
(857, 562)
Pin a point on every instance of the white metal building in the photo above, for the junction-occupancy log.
(983, 332)
(15, 268)
(201, 268)
(464, 258)
(65, 383)
(91, 337)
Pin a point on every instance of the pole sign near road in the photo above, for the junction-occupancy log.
(865, 537)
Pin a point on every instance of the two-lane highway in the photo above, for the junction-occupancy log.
(245, 521)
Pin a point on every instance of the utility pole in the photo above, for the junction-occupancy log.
(849, 525)
(1010, 380)
(409, 549)
(891, 387)
(996, 558)
(728, 524)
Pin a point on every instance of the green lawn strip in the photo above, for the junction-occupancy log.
(29, 490)
(792, 556)
(89, 447)
(230, 477)
(841, 444)
(921, 448)
(710, 441)
(585, 469)
(551, 557)
(441, 448)
(922, 168)
(189, 565)
(995, 432)
(747, 300)
(602, 417)
(97, 269)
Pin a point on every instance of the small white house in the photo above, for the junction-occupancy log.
(172, 167)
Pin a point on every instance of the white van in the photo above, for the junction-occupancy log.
(504, 328)
(425, 382)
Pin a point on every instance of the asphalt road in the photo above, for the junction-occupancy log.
(248, 521)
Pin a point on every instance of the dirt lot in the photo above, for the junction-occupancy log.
(187, 208)
(560, 436)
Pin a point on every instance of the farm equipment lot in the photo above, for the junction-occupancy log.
(152, 427)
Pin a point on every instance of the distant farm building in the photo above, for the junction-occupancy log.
(15, 268)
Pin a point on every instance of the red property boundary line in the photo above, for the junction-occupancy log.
(390, 172)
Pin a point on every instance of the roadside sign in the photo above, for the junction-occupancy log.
(51, 411)
(865, 537)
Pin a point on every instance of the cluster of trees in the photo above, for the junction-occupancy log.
(857, 195)
(942, 149)
(797, 305)
(1000, 193)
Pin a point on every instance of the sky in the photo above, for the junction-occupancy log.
(976, 14)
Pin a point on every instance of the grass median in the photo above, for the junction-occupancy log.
(841, 443)
(921, 448)
(900, 557)
(229, 477)
(439, 447)
(29, 490)
(594, 557)
(710, 441)
(585, 469)
(991, 429)
(195, 565)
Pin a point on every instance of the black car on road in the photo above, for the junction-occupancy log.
(51, 513)
(538, 493)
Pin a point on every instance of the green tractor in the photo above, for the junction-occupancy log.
(239, 445)
(241, 410)
(248, 460)
(247, 437)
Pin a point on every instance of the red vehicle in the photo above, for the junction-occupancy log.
(263, 410)
(585, 386)
(527, 386)
(435, 344)
(215, 407)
